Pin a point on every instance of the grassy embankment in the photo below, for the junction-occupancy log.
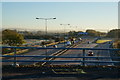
(116, 45)
(27, 50)
(102, 41)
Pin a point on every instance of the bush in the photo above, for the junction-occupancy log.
(116, 44)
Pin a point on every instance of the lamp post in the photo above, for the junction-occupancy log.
(64, 31)
(46, 19)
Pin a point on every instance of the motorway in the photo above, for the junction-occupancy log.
(102, 53)
(76, 53)
(34, 52)
(37, 52)
(68, 53)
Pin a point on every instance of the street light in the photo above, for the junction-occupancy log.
(64, 31)
(46, 19)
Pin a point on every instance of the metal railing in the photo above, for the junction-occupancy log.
(83, 61)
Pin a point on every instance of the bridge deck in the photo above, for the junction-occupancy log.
(63, 72)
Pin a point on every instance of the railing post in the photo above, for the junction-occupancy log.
(15, 57)
(83, 56)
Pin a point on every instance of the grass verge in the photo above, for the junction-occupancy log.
(102, 41)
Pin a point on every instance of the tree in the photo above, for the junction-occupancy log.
(92, 32)
(116, 44)
(12, 38)
(74, 34)
(95, 33)
(115, 33)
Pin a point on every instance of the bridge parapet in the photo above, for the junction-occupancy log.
(83, 61)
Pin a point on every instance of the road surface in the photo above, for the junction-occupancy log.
(51, 51)
(76, 53)
(34, 52)
(103, 53)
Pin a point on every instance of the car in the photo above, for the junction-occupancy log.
(44, 46)
(90, 53)
(55, 46)
(88, 42)
(16, 64)
(80, 39)
(68, 43)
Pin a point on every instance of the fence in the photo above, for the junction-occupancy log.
(83, 57)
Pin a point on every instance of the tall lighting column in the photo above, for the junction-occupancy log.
(46, 19)
(64, 31)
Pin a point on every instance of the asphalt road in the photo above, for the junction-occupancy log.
(35, 52)
(102, 53)
(69, 53)
(76, 53)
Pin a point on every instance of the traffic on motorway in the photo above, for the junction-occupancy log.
(72, 43)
